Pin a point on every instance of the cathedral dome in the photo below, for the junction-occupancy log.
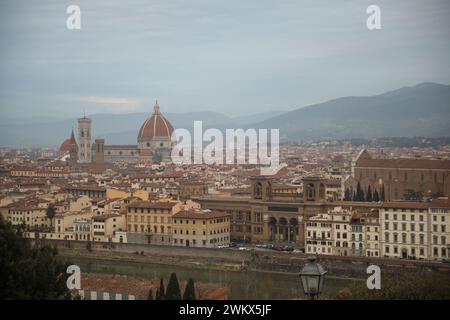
(65, 146)
(68, 144)
(156, 127)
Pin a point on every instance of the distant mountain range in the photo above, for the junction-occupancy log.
(114, 128)
(422, 110)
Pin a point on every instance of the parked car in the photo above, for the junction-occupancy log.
(244, 248)
(278, 248)
(233, 244)
(223, 246)
(288, 248)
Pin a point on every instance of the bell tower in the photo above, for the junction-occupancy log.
(261, 188)
(84, 140)
(314, 189)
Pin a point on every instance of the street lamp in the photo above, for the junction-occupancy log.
(312, 276)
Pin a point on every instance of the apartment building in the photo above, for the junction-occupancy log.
(415, 230)
(343, 232)
(150, 222)
(105, 227)
(32, 216)
(340, 218)
(440, 229)
(319, 235)
(201, 228)
(372, 234)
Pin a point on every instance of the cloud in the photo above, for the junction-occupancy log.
(97, 104)
(109, 100)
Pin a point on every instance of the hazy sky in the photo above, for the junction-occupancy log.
(232, 56)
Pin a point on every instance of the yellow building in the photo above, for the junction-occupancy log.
(104, 227)
(201, 228)
(150, 222)
(32, 216)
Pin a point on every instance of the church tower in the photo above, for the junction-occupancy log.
(84, 140)
(73, 150)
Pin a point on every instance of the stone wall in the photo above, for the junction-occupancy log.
(270, 261)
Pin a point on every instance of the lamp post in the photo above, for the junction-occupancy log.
(312, 277)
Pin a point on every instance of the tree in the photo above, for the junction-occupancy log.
(359, 193)
(29, 272)
(404, 285)
(376, 196)
(158, 295)
(189, 291)
(160, 292)
(383, 197)
(369, 194)
(51, 213)
(347, 195)
(410, 194)
(150, 294)
(173, 288)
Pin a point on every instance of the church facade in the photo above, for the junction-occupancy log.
(399, 179)
(154, 143)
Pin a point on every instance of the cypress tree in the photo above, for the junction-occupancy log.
(158, 295)
(376, 196)
(359, 193)
(383, 198)
(369, 194)
(189, 291)
(347, 195)
(150, 294)
(51, 213)
(162, 291)
(173, 288)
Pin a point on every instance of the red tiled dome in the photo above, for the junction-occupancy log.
(156, 126)
(67, 145)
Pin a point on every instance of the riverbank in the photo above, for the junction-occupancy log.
(74, 255)
(241, 260)
(250, 275)
(247, 285)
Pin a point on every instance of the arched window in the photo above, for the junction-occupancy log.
(258, 190)
(310, 191)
